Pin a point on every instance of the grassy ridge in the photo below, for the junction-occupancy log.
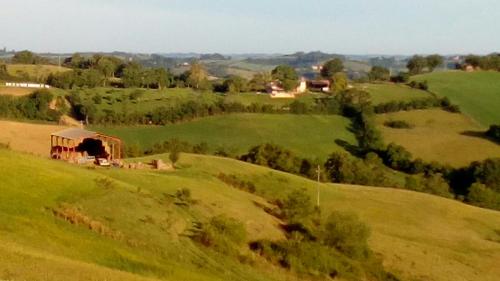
(306, 135)
(477, 93)
(421, 237)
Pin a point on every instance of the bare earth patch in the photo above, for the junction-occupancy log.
(27, 137)
(440, 136)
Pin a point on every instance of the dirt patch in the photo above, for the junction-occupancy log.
(27, 137)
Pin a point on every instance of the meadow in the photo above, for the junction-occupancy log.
(307, 135)
(477, 93)
(387, 92)
(37, 71)
(437, 135)
(419, 236)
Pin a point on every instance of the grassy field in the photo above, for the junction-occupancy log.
(477, 93)
(119, 99)
(34, 70)
(27, 137)
(440, 136)
(306, 135)
(15, 91)
(382, 93)
(419, 236)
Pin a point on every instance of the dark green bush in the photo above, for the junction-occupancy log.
(494, 133)
(398, 124)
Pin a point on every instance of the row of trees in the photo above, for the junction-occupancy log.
(35, 106)
(417, 64)
(490, 62)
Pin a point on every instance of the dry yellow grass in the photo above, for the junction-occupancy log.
(15, 91)
(34, 70)
(440, 136)
(26, 137)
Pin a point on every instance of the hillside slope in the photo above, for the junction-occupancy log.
(421, 237)
(477, 93)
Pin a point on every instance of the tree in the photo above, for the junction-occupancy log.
(197, 76)
(163, 78)
(287, 76)
(174, 155)
(235, 84)
(339, 83)
(107, 68)
(132, 75)
(473, 60)
(26, 57)
(434, 61)
(331, 67)
(378, 73)
(416, 64)
(260, 81)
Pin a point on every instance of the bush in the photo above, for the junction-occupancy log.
(432, 184)
(235, 182)
(482, 196)
(346, 233)
(398, 124)
(297, 207)
(222, 234)
(183, 195)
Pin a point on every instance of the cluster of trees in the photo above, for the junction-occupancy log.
(101, 70)
(334, 247)
(27, 57)
(35, 106)
(417, 64)
(490, 62)
(379, 73)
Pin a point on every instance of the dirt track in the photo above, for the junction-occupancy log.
(26, 137)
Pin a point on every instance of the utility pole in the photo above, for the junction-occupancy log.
(317, 199)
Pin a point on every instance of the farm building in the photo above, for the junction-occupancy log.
(318, 85)
(78, 145)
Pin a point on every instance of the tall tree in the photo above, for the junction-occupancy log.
(416, 64)
(331, 67)
(339, 82)
(197, 75)
(287, 76)
(378, 73)
(434, 61)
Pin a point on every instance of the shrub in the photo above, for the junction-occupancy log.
(184, 196)
(4, 145)
(222, 234)
(398, 124)
(484, 197)
(346, 233)
(235, 182)
(174, 155)
(297, 206)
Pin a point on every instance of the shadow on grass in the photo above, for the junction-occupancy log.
(352, 149)
(478, 134)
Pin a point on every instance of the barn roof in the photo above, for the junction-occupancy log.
(75, 134)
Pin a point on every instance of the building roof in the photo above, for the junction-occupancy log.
(75, 134)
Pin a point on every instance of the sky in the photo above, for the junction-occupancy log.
(252, 26)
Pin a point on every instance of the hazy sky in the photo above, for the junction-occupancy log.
(252, 26)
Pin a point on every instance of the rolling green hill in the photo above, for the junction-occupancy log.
(134, 231)
(307, 135)
(477, 93)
